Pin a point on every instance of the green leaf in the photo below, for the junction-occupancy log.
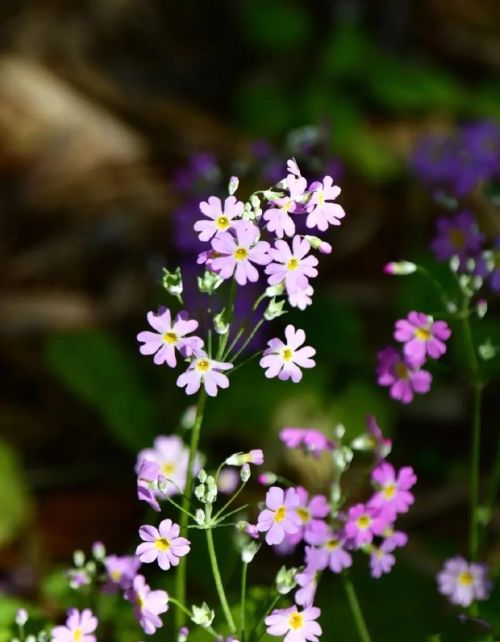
(93, 365)
(15, 504)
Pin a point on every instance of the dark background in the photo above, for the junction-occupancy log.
(101, 103)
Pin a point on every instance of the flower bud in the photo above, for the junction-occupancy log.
(200, 516)
(234, 181)
(487, 350)
(285, 580)
(211, 492)
(267, 478)
(255, 456)
(221, 322)
(209, 282)
(172, 282)
(254, 201)
(78, 558)
(249, 551)
(21, 617)
(274, 309)
(481, 308)
(400, 268)
(98, 551)
(182, 636)
(188, 418)
(245, 473)
(202, 615)
(275, 290)
(202, 475)
(199, 492)
(454, 263)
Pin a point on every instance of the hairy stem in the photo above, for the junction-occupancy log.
(357, 614)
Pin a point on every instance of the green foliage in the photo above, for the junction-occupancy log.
(95, 367)
(15, 503)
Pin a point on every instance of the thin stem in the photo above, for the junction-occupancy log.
(180, 578)
(224, 337)
(355, 607)
(243, 601)
(249, 338)
(183, 609)
(218, 581)
(229, 502)
(255, 635)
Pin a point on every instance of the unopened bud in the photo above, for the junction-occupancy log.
(200, 516)
(481, 308)
(274, 309)
(267, 479)
(285, 580)
(221, 322)
(245, 473)
(21, 617)
(209, 282)
(202, 615)
(78, 558)
(234, 181)
(172, 282)
(98, 551)
(400, 268)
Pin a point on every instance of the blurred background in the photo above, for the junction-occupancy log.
(116, 118)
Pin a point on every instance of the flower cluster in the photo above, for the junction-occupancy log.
(401, 371)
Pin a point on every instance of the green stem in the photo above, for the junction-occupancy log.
(180, 578)
(355, 607)
(249, 338)
(255, 635)
(243, 601)
(218, 581)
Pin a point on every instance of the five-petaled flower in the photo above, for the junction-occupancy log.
(221, 219)
(464, 583)
(148, 605)
(363, 522)
(279, 517)
(323, 212)
(79, 627)
(291, 265)
(393, 492)
(294, 625)
(421, 336)
(162, 544)
(206, 371)
(402, 378)
(282, 360)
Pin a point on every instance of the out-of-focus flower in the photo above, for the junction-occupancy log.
(121, 571)
(148, 605)
(363, 523)
(402, 379)
(381, 560)
(457, 235)
(79, 626)
(464, 583)
(312, 441)
(330, 553)
(394, 489)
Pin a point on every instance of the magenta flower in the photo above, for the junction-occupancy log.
(220, 217)
(206, 371)
(464, 583)
(308, 582)
(394, 490)
(278, 218)
(382, 445)
(312, 513)
(294, 625)
(363, 523)
(236, 255)
(324, 213)
(169, 337)
(402, 378)
(381, 560)
(421, 336)
(79, 626)
(330, 554)
(292, 265)
(148, 605)
(279, 517)
(162, 544)
(255, 456)
(121, 571)
(283, 359)
(312, 441)
(394, 539)
(456, 236)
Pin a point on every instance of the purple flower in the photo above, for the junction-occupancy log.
(382, 445)
(291, 266)
(162, 544)
(394, 539)
(206, 371)
(402, 378)
(324, 213)
(278, 218)
(394, 490)
(363, 523)
(330, 554)
(312, 513)
(308, 582)
(148, 605)
(312, 441)
(148, 476)
(121, 571)
(381, 560)
(236, 255)
(228, 481)
(221, 217)
(463, 583)
(168, 337)
(294, 625)
(488, 266)
(457, 235)
(79, 626)
(279, 517)
(421, 336)
(283, 359)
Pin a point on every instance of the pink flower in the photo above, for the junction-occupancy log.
(221, 218)
(148, 476)
(363, 522)
(312, 513)
(279, 517)
(278, 218)
(394, 539)
(324, 213)
(228, 481)
(464, 583)
(291, 265)
(237, 255)
(148, 604)
(422, 336)
(394, 490)
(169, 337)
(308, 582)
(162, 544)
(121, 571)
(79, 626)
(381, 560)
(402, 378)
(330, 554)
(312, 441)
(294, 625)
(301, 299)
(206, 371)
(382, 445)
(255, 456)
(283, 359)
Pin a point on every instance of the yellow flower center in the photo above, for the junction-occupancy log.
(203, 365)
(401, 370)
(457, 238)
(139, 601)
(466, 579)
(296, 621)
(115, 575)
(222, 222)
(389, 491)
(168, 469)
(162, 544)
(280, 514)
(304, 514)
(364, 522)
(287, 354)
(286, 205)
(292, 264)
(240, 254)
(423, 334)
(77, 635)
(388, 532)
(170, 337)
(332, 544)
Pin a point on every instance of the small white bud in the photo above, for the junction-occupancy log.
(21, 617)
(234, 181)
(245, 473)
(200, 516)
